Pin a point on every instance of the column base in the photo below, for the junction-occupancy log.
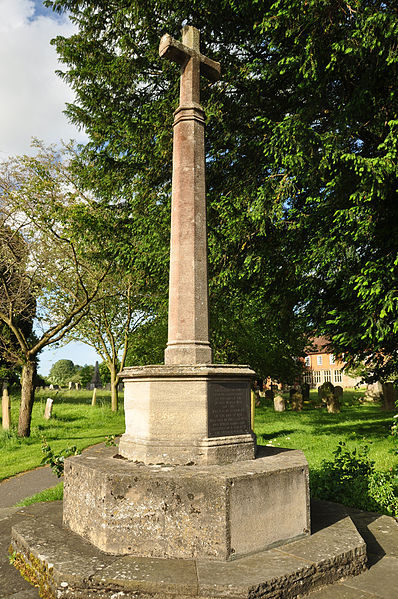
(188, 414)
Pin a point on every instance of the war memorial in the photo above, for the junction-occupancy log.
(188, 506)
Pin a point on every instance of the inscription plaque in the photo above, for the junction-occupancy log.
(228, 409)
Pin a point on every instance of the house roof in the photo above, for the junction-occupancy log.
(319, 346)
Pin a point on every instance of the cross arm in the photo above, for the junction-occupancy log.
(177, 52)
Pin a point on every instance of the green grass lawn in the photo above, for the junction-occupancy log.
(74, 422)
(314, 431)
(318, 433)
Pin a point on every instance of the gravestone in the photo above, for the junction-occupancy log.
(305, 390)
(6, 409)
(338, 391)
(279, 403)
(70, 385)
(48, 409)
(296, 399)
(96, 379)
(94, 397)
(374, 391)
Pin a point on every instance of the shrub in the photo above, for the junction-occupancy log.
(56, 460)
(350, 479)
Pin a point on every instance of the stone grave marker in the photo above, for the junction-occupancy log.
(48, 409)
(279, 403)
(6, 409)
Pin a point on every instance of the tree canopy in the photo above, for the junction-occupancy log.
(49, 272)
(62, 372)
(301, 149)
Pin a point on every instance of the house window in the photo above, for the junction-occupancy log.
(332, 359)
(319, 360)
(338, 376)
(327, 375)
(307, 361)
(308, 377)
(317, 376)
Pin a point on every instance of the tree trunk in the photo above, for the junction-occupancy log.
(27, 397)
(114, 393)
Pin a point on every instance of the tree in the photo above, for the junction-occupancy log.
(109, 323)
(85, 375)
(336, 153)
(125, 100)
(48, 271)
(302, 156)
(62, 372)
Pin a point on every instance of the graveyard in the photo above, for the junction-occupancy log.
(202, 181)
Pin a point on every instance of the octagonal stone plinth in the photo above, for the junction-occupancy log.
(187, 414)
(207, 512)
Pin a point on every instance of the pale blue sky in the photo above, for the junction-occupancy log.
(32, 100)
(77, 352)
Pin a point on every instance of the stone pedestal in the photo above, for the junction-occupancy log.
(187, 512)
(187, 414)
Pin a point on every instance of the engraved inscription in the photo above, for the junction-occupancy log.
(228, 411)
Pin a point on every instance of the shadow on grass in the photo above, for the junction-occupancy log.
(281, 433)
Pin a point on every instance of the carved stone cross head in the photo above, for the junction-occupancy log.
(193, 63)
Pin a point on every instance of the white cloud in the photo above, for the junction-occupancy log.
(32, 96)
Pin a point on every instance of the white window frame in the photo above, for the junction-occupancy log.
(317, 377)
(338, 376)
(307, 360)
(327, 375)
(319, 360)
(332, 359)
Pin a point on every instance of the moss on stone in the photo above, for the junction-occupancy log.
(35, 572)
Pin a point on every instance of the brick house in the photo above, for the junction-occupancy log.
(321, 366)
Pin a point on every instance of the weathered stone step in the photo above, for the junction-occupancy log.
(66, 566)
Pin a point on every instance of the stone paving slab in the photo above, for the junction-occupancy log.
(381, 579)
(340, 591)
(148, 575)
(30, 594)
(74, 568)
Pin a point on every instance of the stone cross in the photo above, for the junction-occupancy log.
(188, 326)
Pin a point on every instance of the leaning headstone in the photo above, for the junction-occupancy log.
(279, 403)
(6, 409)
(94, 398)
(48, 409)
(78, 386)
(70, 385)
(333, 404)
(390, 396)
